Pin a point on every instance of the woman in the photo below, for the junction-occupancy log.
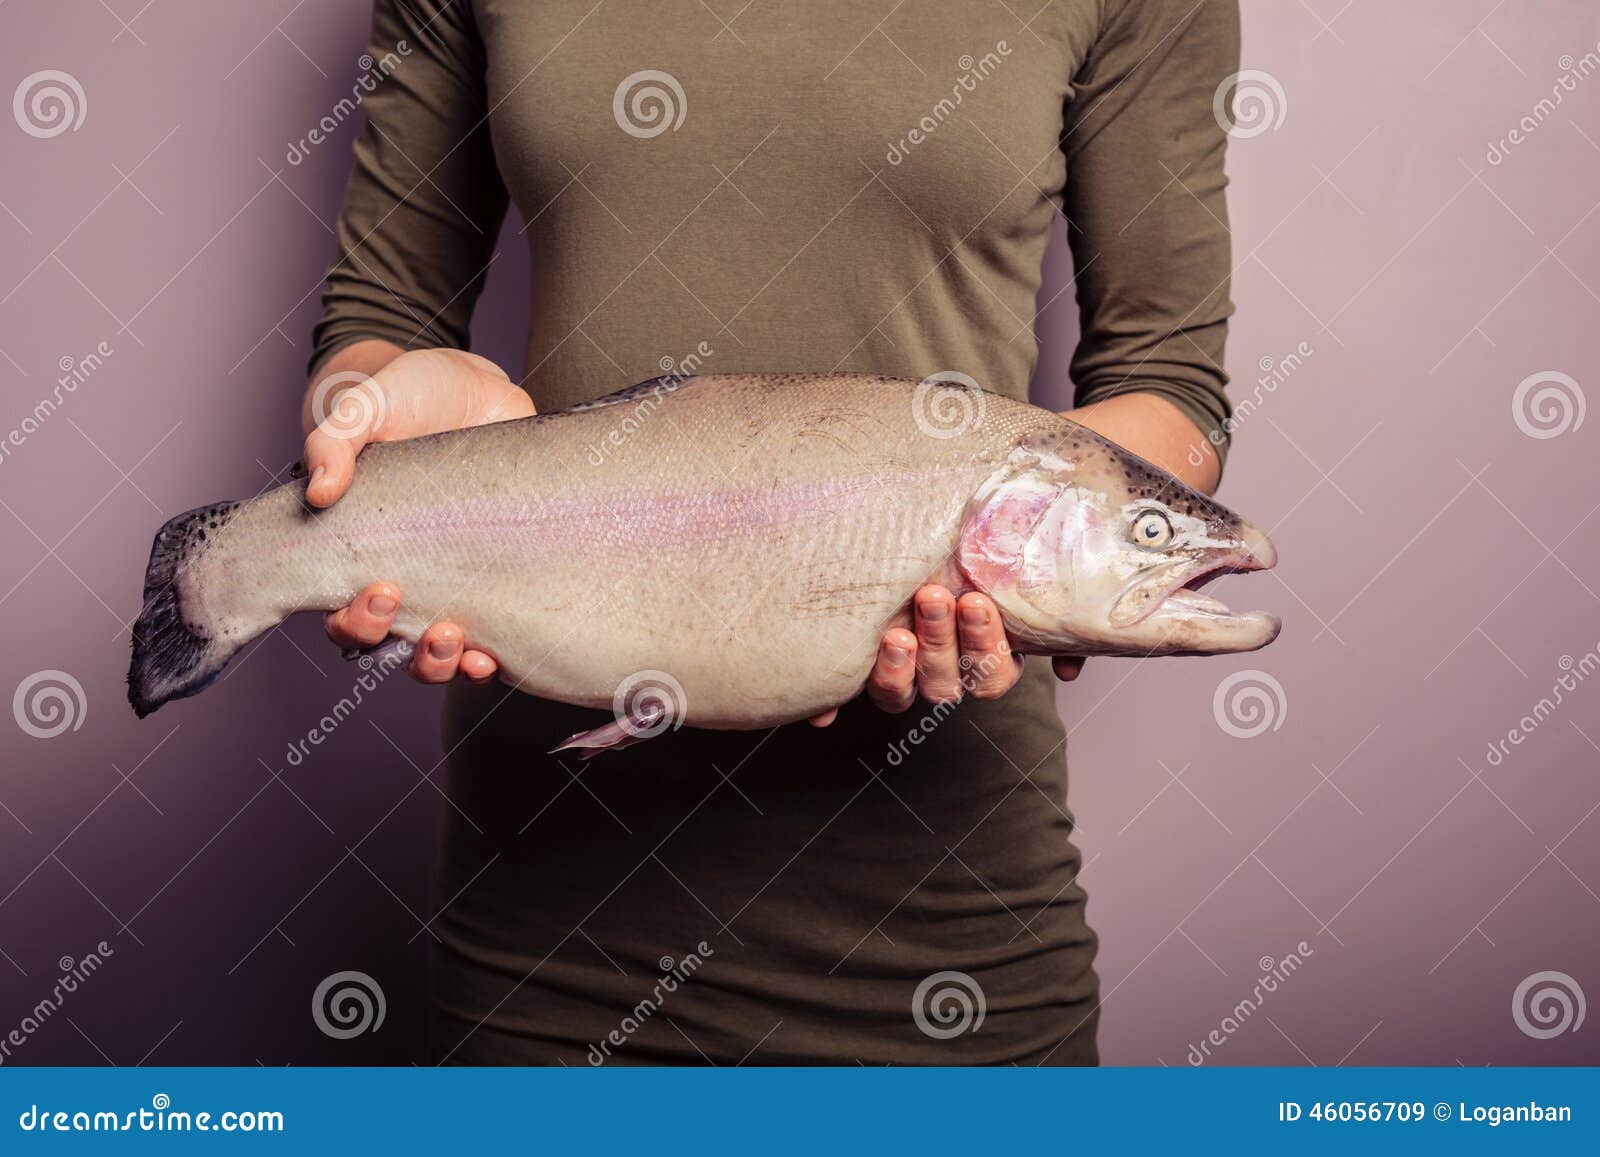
(807, 187)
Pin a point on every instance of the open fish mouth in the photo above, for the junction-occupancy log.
(1188, 602)
(1190, 599)
(1176, 603)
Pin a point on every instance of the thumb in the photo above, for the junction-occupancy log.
(348, 408)
(331, 461)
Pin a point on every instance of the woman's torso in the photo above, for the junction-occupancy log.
(848, 189)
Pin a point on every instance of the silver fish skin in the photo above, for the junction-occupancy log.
(725, 550)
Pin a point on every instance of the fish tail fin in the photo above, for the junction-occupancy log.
(177, 648)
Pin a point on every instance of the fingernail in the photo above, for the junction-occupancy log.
(933, 611)
(443, 648)
(895, 655)
(383, 606)
(975, 615)
(316, 476)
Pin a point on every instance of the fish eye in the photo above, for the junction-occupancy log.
(1151, 530)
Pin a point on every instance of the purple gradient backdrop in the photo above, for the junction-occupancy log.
(1438, 562)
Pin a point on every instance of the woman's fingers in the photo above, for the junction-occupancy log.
(893, 682)
(1067, 667)
(439, 652)
(988, 668)
(478, 666)
(938, 650)
(366, 621)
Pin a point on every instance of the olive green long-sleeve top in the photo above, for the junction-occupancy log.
(784, 187)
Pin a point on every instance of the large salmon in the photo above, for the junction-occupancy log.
(721, 551)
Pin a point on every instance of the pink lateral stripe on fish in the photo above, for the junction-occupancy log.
(738, 517)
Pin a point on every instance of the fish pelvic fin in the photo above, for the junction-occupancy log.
(176, 651)
(640, 723)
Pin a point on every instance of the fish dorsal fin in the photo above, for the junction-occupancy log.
(665, 384)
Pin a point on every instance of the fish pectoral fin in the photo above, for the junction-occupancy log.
(391, 652)
(639, 724)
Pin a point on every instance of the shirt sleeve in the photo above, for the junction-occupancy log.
(424, 203)
(1146, 210)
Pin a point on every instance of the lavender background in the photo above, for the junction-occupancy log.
(1439, 561)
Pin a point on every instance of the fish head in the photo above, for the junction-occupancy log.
(1087, 549)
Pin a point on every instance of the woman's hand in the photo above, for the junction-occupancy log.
(959, 647)
(371, 391)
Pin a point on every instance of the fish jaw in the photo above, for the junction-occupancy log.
(1168, 613)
